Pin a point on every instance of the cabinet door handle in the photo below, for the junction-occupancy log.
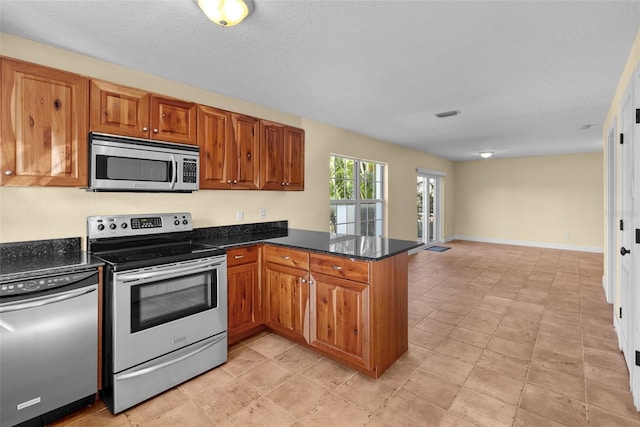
(303, 280)
(8, 173)
(311, 282)
(287, 183)
(155, 131)
(286, 257)
(235, 181)
(145, 129)
(337, 267)
(228, 181)
(238, 257)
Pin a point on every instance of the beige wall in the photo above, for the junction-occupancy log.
(532, 200)
(43, 213)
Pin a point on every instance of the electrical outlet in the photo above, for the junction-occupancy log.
(239, 215)
(263, 213)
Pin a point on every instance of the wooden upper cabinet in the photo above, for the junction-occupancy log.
(246, 160)
(44, 126)
(119, 110)
(127, 111)
(229, 149)
(281, 157)
(173, 120)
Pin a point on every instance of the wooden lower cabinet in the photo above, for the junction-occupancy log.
(361, 323)
(287, 301)
(245, 293)
(339, 322)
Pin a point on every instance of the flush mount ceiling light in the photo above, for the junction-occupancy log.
(447, 114)
(226, 13)
(486, 154)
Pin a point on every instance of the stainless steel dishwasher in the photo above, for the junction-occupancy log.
(48, 346)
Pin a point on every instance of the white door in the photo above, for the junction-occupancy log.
(611, 255)
(627, 309)
(630, 239)
(429, 209)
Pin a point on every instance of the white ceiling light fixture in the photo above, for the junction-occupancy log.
(486, 154)
(226, 13)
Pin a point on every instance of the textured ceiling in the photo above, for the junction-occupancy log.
(526, 75)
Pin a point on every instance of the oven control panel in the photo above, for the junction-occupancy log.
(137, 225)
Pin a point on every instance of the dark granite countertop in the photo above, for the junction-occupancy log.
(23, 260)
(360, 247)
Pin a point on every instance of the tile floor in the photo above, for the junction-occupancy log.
(499, 336)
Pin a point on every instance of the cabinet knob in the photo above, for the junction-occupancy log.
(8, 173)
(287, 183)
(238, 257)
(286, 257)
(145, 128)
(337, 267)
(311, 282)
(235, 181)
(303, 280)
(155, 131)
(228, 181)
(282, 183)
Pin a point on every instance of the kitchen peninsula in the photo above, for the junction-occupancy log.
(344, 296)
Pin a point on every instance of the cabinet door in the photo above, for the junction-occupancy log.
(245, 298)
(216, 148)
(173, 120)
(246, 164)
(118, 110)
(287, 301)
(294, 154)
(44, 126)
(340, 318)
(272, 156)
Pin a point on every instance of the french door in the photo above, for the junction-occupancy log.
(429, 189)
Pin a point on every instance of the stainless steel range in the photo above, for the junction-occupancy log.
(165, 304)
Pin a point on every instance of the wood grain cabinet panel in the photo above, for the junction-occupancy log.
(244, 293)
(281, 157)
(229, 149)
(119, 109)
(128, 111)
(340, 318)
(44, 126)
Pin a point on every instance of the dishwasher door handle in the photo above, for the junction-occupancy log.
(40, 301)
(154, 368)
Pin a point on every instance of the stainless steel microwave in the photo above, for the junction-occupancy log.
(132, 164)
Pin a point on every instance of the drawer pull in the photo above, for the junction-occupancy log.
(286, 258)
(337, 267)
(238, 257)
(303, 280)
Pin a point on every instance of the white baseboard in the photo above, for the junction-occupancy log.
(605, 286)
(618, 328)
(449, 238)
(532, 244)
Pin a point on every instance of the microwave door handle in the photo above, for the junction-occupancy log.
(174, 175)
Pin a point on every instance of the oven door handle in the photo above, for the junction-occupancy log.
(130, 277)
(38, 302)
(174, 175)
(154, 368)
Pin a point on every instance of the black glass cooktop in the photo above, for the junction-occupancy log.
(156, 255)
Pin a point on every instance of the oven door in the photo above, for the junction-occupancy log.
(162, 308)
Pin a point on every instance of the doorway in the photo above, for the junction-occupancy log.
(429, 203)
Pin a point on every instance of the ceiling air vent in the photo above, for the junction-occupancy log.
(447, 114)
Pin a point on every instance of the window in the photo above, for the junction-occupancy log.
(356, 196)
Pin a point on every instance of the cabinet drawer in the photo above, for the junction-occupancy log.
(346, 268)
(244, 255)
(286, 256)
